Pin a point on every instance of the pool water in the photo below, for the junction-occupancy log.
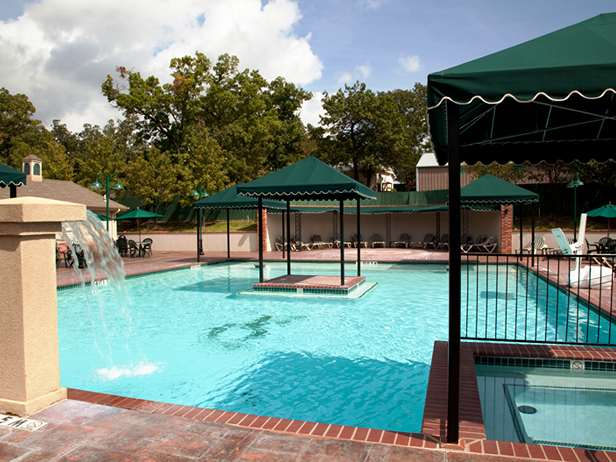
(551, 406)
(188, 338)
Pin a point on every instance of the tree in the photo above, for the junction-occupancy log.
(362, 130)
(412, 107)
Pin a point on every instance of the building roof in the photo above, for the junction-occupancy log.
(31, 157)
(66, 191)
(428, 159)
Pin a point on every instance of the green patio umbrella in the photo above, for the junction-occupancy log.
(138, 214)
(101, 217)
(11, 178)
(607, 211)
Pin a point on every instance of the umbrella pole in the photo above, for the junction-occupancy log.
(288, 237)
(198, 235)
(532, 238)
(521, 233)
(341, 241)
(358, 242)
(228, 237)
(283, 241)
(260, 239)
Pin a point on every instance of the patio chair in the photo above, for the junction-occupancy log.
(466, 248)
(428, 241)
(317, 242)
(405, 241)
(377, 240)
(280, 243)
(603, 245)
(299, 245)
(536, 246)
(81, 258)
(122, 245)
(443, 242)
(63, 254)
(488, 245)
(356, 240)
(133, 249)
(336, 242)
(146, 247)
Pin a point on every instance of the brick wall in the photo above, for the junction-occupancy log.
(506, 228)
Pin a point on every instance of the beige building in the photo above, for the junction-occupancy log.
(66, 191)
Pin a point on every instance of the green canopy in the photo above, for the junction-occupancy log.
(492, 190)
(102, 217)
(9, 176)
(607, 211)
(551, 98)
(138, 214)
(369, 210)
(228, 199)
(307, 179)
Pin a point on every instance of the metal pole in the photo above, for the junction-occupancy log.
(341, 241)
(455, 272)
(283, 241)
(289, 236)
(228, 237)
(107, 200)
(521, 232)
(358, 242)
(532, 235)
(198, 234)
(260, 239)
(574, 213)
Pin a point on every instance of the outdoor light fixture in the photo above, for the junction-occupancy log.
(108, 179)
(574, 184)
(199, 194)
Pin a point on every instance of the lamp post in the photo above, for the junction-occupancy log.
(574, 184)
(199, 193)
(108, 179)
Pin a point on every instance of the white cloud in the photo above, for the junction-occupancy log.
(59, 52)
(311, 110)
(344, 77)
(373, 4)
(365, 70)
(410, 63)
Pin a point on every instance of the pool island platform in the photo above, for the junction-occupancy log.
(310, 284)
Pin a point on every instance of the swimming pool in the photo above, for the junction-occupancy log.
(570, 403)
(189, 339)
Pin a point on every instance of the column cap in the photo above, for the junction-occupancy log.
(39, 210)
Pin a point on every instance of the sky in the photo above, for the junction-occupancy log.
(59, 52)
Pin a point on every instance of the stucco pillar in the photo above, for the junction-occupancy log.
(506, 229)
(29, 359)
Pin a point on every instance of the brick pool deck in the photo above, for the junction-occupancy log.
(94, 426)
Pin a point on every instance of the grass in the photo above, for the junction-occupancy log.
(191, 226)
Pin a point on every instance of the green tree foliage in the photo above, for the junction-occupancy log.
(370, 131)
(21, 135)
(240, 117)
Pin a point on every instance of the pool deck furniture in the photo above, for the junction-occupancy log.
(443, 242)
(356, 240)
(376, 241)
(405, 241)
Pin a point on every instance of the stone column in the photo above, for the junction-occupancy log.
(29, 359)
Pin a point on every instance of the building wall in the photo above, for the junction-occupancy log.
(187, 242)
(433, 178)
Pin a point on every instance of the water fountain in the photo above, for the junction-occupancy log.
(29, 363)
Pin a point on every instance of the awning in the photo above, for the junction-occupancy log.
(229, 199)
(9, 176)
(551, 98)
(490, 190)
(307, 179)
(368, 210)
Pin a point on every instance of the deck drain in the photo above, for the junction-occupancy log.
(527, 409)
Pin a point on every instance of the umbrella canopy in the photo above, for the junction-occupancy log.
(607, 211)
(102, 217)
(307, 179)
(138, 214)
(11, 177)
(551, 98)
(492, 190)
(229, 199)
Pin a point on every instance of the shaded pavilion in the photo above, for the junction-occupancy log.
(308, 179)
(490, 190)
(548, 99)
(228, 199)
(12, 178)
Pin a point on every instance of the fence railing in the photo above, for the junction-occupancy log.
(539, 299)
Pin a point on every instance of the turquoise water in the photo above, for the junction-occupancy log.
(509, 303)
(573, 407)
(187, 338)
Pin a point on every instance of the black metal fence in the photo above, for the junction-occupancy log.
(538, 299)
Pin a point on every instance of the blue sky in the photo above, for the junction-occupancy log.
(58, 52)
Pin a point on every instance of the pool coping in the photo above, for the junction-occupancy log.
(472, 430)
